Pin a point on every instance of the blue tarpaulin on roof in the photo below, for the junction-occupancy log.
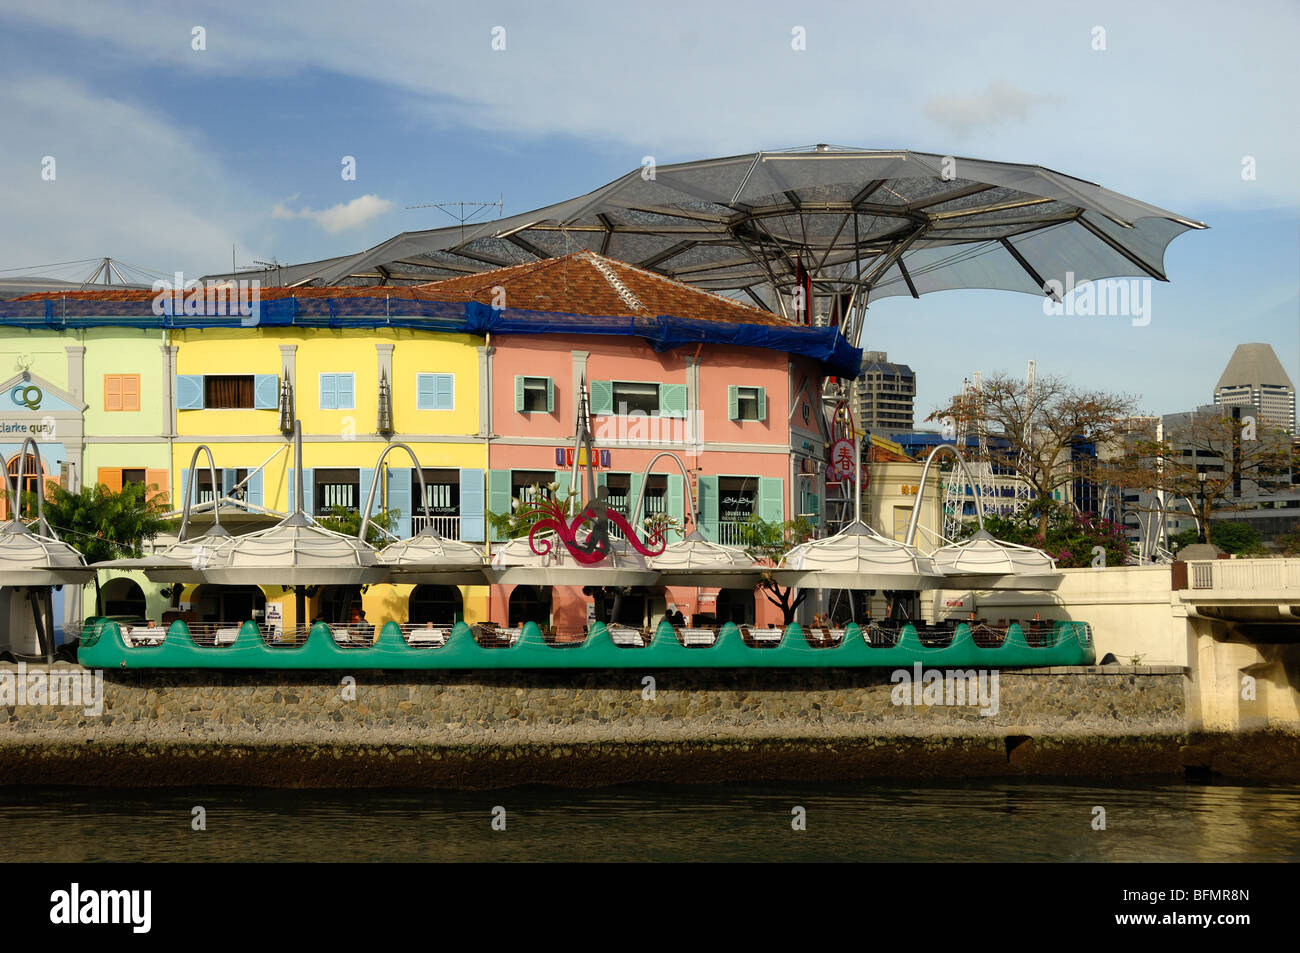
(663, 332)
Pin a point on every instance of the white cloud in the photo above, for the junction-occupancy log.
(999, 102)
(340, 217)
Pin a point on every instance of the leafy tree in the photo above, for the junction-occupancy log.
(1289, 543)
(101, 523)
(1234, 454)
(1035, 430)
(1070, 539)
(347, 521)
(766, 543)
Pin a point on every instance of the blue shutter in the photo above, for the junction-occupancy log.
(266, 391)
(425, 396)
(498, 495)
(329, 392)
(672, 400)
(366, 477)
(602, 396)
(189, 391)
(401, 500)
(345, 385)
(471, 505)
(771, 499)
(708, 504)
(254, 493)
(227, 481)
(185, 489)
(445, 391)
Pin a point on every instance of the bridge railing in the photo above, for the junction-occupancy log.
(1244, 574)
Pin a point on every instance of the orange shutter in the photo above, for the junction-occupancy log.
(111, 477)
(130, 391)
(158, 478)
(112, 392)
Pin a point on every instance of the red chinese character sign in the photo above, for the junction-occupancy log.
(842, 466)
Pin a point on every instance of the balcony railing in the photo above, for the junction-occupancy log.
(448, 527)
(732, 533)
(1245, 574)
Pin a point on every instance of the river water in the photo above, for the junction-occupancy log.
(984, 820)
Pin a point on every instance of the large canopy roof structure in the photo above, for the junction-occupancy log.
(847, 225)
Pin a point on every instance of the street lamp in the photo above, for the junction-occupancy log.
(1202, 535)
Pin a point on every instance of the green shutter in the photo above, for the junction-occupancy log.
(708, 504)
(633, 489)
(771, 499)
(676, 501)
(498, 495)
(519, 394)
(672, 400)
(562, 490)
(762, 402)
(550, 396)
(602, 397)
(733, 402)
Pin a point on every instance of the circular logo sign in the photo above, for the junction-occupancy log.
(28, 395)
(842, 464)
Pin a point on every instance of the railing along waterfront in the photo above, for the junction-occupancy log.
(1244, 574)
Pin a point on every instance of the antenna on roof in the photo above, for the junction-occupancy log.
(462, 216)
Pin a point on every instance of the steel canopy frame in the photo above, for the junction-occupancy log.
(863, 224)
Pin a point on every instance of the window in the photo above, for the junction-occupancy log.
(337, 488)
(435, 391)
(635, 398)
(736, 500)
(522, 482)
(534, 395)
(337, 392)
(442, 491)
(121, 391)
(746, 403)
(638, 397)
(656, 495)
(228, 391)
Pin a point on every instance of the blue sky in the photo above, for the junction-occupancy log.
(167, 155)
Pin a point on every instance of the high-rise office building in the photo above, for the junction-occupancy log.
(1254, 377)
(886, 394)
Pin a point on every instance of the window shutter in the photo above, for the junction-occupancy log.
(471, 505)
(634, 490)
(424, 392)
(329, 394)
(733, 402)
(563, 486)
(266, 391)
(185, 488)
(602, 396)
(111, 477)
(445, 397)
(365, 479)
(498, 495)
(254, 487)
(227, 481)
(345, 385)
(771, 499)
(159, 479)
(519, 394)
(762, 403)
(708, 504)
(112, 392)
(672, 400)
(130, 391)
(401, 499)
(550, 396)
(189, 391)
(676, 500)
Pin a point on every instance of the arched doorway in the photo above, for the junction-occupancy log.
(440, 605)
(735, 605)
(530, 604)
(229, 603)
(33, 478)
(122, 597)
